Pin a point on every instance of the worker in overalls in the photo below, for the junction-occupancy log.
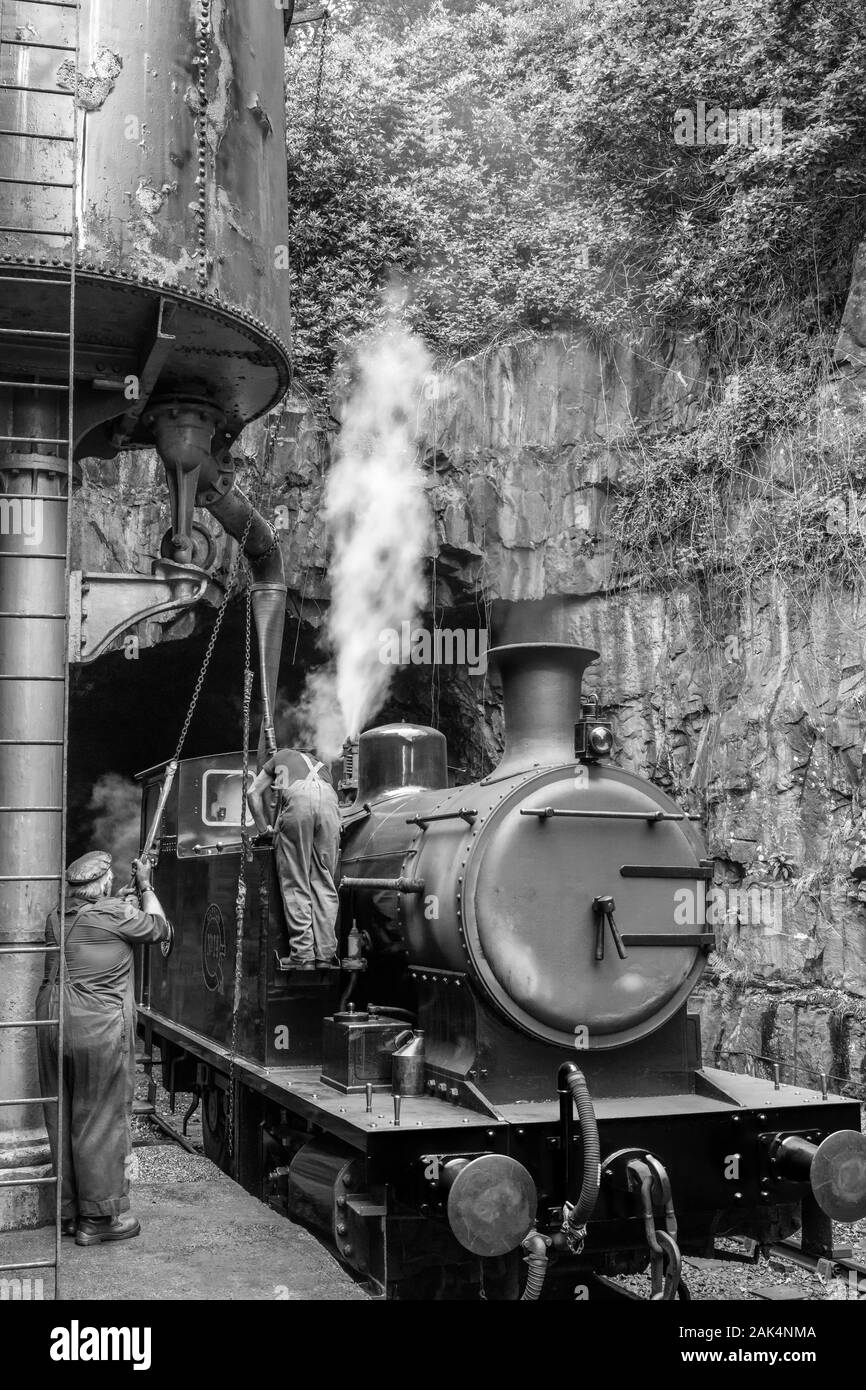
(98, 1072)
(306, 845)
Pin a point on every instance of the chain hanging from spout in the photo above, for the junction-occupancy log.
(317, 100)
(209, 651)
(246, 855)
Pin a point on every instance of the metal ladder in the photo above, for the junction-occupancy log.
(66, 240)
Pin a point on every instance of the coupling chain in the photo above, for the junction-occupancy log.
(575, 1236)
(666, 1261)
(320, 74)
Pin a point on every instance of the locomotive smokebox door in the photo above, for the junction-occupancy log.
(357, 1048)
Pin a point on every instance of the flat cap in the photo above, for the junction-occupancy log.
(89, 867)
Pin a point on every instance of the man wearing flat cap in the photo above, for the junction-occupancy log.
(98, 1071)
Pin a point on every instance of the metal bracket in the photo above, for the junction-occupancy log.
(102, 607)
(155, 356)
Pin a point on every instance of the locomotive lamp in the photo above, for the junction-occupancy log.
(593, 739)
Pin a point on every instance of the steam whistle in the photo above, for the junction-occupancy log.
(834, 1169)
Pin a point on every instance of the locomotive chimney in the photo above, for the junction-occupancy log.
(541, 684)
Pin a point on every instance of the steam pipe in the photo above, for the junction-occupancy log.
(262, 549)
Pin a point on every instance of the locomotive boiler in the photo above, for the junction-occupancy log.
(504, 1069)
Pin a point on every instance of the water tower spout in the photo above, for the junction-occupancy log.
(200, 472)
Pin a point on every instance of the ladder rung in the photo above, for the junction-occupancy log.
(37, 91)
(30, 878)
(32, 1100)
(31, 1023)
(51, 680)
(34, 280)
(26, 1182)
(32, 332)
(35, 385)
(34, 43)
(29, 438)
(35, 183)
(39, 135)
(31, 742)
(29, 496)
(46, 616)
(21, 950)
(42, 810)
(32, 555)
(52, 4)
(30, 1264)
(35, 231)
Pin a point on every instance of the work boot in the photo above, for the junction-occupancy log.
(93, 1230)
(69, 1225)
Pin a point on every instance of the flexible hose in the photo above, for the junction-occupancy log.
(536, 1259)
(591, 1146)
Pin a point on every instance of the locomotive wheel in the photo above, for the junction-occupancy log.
(214, 1126)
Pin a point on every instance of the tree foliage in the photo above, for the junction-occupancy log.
(516, 167)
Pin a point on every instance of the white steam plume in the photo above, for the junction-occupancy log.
(376, 511)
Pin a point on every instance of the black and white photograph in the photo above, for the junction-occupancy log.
(433, 673)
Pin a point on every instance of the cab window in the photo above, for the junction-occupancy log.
(222, 798)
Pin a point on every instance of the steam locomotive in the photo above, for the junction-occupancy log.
(500, 1092)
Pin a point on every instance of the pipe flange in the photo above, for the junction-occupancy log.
(39, 463)
(203, 548)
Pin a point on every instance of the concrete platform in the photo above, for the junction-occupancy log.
(202, 1237)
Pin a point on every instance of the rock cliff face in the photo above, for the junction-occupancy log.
(753, 716)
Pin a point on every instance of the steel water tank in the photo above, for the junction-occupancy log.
(182, 199)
